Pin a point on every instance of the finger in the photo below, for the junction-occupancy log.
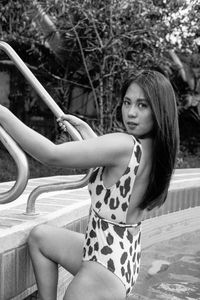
(62, 126)
(67, 117)
(61, 117)
(64, 117)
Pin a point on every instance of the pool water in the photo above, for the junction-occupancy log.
(170, 270)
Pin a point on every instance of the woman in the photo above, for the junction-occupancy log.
(133, 172)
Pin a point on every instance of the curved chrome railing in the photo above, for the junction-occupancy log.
(22, 168)
(57, 112)
(38, 87)
(30, 209)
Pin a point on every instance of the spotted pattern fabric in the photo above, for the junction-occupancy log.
(109, 240)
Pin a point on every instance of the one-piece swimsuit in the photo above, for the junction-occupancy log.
(108, 239)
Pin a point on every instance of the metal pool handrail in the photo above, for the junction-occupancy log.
(22, 168)
(30, 209)
(57, 112)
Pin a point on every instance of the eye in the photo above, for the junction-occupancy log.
(126, 102)
(142, 105)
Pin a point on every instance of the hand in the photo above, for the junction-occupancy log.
(74, 121)
(84, 129)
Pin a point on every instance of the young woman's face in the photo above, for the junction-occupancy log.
(136, 112)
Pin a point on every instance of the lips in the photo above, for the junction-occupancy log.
(131, 124)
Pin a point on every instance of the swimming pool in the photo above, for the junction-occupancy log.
(176, 221)
(170, 269)
(170, 265)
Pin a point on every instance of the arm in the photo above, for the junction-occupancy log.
(108, 150)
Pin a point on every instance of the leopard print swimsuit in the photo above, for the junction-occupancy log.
(109, 240)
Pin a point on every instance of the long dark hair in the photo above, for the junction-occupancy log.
(160, 94)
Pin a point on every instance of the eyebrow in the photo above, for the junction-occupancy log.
(138, 99)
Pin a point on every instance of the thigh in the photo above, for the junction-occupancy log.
(94, 281)
(61, 245)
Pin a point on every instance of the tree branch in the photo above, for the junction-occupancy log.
(86, 68)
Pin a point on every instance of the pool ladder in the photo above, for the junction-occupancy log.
(19, 156)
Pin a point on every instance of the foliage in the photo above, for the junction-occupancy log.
(102, 40)
(13, 21)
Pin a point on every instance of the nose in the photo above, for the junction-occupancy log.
(132, 111)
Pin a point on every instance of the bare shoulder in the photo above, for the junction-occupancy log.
(120, 137)
(121, 142)
(121, 145)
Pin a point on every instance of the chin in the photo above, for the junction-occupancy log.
(141, 135)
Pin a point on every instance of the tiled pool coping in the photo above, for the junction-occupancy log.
(70, 209)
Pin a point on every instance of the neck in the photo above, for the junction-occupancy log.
(147, 143)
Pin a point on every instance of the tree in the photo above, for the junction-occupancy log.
(100, 41)
(97, 42)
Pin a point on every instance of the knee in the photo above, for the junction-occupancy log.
(36, 235)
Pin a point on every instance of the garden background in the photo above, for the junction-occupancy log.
(81, 50)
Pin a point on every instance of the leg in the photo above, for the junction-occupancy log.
(95, 282)
(50, 246)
